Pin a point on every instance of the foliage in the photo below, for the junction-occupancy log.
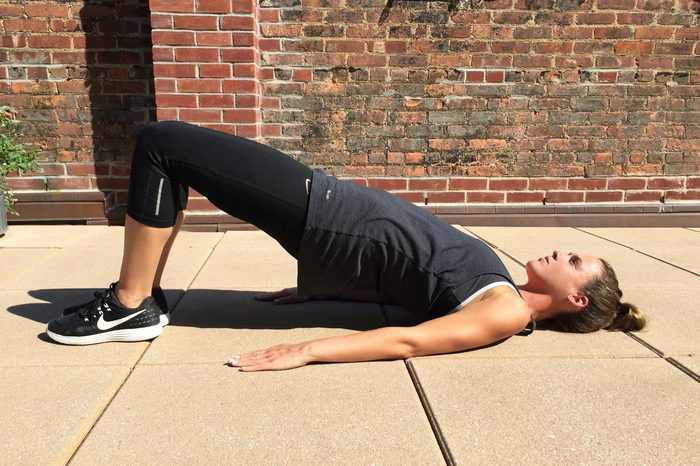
(14, 155)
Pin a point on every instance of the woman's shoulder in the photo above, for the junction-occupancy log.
(503, 303)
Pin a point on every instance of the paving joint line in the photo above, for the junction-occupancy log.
(109, 403)
(432, 420)
(131, 370)
(687, 371)
(638, 251)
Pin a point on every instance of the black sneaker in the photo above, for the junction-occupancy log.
(156, 292)
(107, 320)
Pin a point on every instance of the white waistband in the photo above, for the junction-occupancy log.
(481, 290)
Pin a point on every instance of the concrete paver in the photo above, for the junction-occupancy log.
(357, 413)
(213, 325)
(45, 412)
(256, 268)
(673, 315)
(557, 398)
(669, 244)
(563, 411)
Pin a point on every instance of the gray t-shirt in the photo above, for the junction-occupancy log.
(366, 239)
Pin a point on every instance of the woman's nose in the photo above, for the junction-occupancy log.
(555, 253)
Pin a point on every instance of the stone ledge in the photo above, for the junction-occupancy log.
(95, 207)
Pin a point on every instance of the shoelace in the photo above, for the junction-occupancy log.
(97, 308)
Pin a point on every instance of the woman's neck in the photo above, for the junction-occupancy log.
(540, 304)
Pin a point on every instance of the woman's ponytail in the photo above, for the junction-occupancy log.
(627, 318)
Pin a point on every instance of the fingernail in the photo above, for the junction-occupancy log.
(277, 301)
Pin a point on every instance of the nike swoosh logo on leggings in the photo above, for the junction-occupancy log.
(103, 324)
(307, 185)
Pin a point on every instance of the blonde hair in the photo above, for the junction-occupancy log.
(605, 309)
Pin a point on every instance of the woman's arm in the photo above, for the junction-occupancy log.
(479, 324)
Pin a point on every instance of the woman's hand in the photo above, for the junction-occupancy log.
(275, 358)
(285, 296)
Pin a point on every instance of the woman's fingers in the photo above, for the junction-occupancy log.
(275, 294)
(285, 296)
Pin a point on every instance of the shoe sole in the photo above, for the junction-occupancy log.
(164, 319)
(132, 334)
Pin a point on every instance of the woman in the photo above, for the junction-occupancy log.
(351, 242)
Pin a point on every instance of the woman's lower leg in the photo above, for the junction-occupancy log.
(143, 249)
(166, 249)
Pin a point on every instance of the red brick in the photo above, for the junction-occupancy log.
(454, 196)
(9, 10)
(634, 47)
(80, 169)
(199, 85)
(196, 22)
(173, 38)
(168, 70)
(238, 55)
(49, 42)
(495, 76)
(388, 183)
(215, 70)
(247, 101)
(269, 15)
(216, 100)
(214, 6)
(245, 70)
(175, 6)
(243, 6)
(25, 25)
(120, 169)
(240, 86)
(554, 197)
(428, 184)
(200, 115)
(302, 75)
(626, 183)
(607, 76)
(587, 183)
(490, 197)
(604, 196)
(475, 76)
(31, 183)
(176, 100)
(241, 116)
(689, 195)
(197, 54)
(664, 183)
(72, 182)
(653, 33)
(214, 38)
(508, 184)
(643, 196)
(238, 23)
(595, 18)
(693, 182)
(52, 169)
(522, 196)
(42, 9)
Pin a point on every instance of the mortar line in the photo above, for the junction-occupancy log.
(432, 420)
(131, 369)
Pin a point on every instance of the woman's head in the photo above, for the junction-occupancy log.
(586, 290)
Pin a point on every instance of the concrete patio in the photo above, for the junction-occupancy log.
(549, 398)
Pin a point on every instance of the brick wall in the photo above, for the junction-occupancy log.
(471, 101)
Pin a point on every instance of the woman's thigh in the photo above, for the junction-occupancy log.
(251, 181)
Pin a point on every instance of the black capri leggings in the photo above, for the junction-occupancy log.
(253, 182)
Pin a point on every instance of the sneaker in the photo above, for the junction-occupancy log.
(106, 319)
(156, 292)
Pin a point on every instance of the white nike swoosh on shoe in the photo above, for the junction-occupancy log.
(103, 324)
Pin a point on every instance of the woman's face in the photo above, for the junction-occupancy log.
(562, 274)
